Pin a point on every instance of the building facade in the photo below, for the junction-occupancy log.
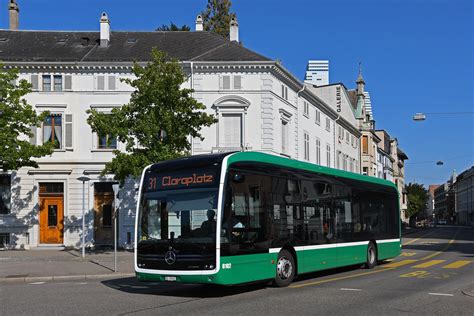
(464, 197)
(258, 103)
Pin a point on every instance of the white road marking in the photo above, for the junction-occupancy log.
(82, 283)
(347, 289)
(441, 294)
(37, 283)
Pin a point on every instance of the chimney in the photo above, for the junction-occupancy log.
(104, 30)
(234, 30)
(199, 25)
(13, 12)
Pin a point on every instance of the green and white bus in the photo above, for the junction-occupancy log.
(249, 216)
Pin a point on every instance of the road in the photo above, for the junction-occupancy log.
(435, 268)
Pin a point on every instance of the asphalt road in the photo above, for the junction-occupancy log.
(433, 276)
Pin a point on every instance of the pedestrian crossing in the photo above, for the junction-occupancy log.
(431, 263)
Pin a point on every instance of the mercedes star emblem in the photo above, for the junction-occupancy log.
(170, 257)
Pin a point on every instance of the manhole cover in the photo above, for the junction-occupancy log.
(469, 292)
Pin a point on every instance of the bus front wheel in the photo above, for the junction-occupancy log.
(371, 256)
(285, 269)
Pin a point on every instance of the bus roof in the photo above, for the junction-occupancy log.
(296, 164)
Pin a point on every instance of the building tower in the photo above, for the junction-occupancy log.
(317, 72)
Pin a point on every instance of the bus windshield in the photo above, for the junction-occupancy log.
(180, 216)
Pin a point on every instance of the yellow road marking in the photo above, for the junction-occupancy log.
(416, 274)
(457, 264)
(337, 279)
(399, 263)
(428, 264)
(412, 241)
(407, 254)
(444, 249)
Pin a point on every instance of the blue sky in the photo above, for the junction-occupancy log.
(417, 56)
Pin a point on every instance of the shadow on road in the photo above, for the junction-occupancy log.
(133, 286)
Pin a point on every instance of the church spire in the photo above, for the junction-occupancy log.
(360, 81)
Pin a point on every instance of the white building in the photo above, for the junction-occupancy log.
(317, 72)
(259, 104)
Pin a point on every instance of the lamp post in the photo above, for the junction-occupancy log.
(83, 179)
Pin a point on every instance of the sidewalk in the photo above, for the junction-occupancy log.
(48, 265)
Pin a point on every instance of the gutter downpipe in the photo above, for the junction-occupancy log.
(334, 133)
(192, 87)
(297, 104)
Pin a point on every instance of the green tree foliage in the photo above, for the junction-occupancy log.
(16, 119)
(417, 197)
(157, 122)
(216, 18)
(173, 27)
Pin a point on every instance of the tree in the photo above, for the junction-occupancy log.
(157, 122)
(216, 18)
(16, 119)
(417, 197)
(173, 27)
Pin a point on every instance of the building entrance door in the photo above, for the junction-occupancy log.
(103, 213)
(51, 215)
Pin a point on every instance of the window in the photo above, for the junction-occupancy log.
(328, 124)
(338, 160)
(347, 137)
(5, 193)
(365, 171)
(101, 82)
(230, 130)
(306, 146)
(58, 83)
(237, 82)
(284, 136)
(328, 155)
(106, 215)
(46, 83)
(306, 109)
(352, 140)
(318, 117)
(226, 82)
(4, 240)
(318, 151)
(107, 142)
(344, 162)
(340, 132)
(365, 144)
(284, 92)
(351, 164)
(53, 130)
(52, 215)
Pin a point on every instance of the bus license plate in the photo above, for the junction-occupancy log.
(170, 278)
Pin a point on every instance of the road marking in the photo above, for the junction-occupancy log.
(428, 264)
(413, 240)
(407, 254)
(347, 289)
(442, 250)
(399, 263)
(37, 283)
(339, 278)
(416, 274)
(457, 264)
(441, 294)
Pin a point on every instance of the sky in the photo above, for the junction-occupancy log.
(416, 55)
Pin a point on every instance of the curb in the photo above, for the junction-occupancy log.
(66, 277)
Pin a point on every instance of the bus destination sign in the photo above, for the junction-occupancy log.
(166, 181)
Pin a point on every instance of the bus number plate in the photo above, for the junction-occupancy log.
(170, 278)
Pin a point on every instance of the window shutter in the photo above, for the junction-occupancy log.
(33, 136)
(68, 130)
(237, 82)
(100, 82)
(220, 82)
(34, 82)
(67, 82)
(111, 82)
(226, 82)
(230, 129)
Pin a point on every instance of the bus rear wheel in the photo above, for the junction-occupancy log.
(371, 256)
(285, 269)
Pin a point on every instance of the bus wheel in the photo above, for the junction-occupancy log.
(371, 256)
(285, 269)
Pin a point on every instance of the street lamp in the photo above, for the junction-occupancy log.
(83, 179)
(422, 116)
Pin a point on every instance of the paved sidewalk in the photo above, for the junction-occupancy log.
(47, 265)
